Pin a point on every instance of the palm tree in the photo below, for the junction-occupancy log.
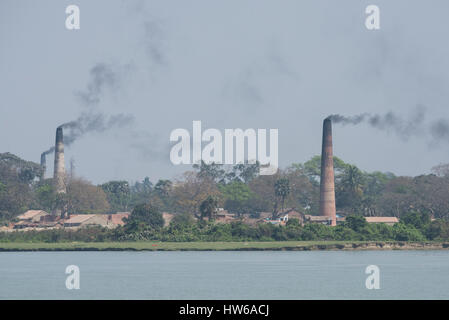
(282, 189)
(352, 186)
(163, 187)
(208, 207)
(352, 179)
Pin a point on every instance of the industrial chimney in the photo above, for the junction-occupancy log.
(59, 170)
(43, 165)
(327, 184)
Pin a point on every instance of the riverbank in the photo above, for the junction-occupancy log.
(222, 246)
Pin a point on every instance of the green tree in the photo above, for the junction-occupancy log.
(212, 171)
(350, 188)
(84, 197)
(182, 220)
(15, 195)
(356, 222)
(61, 203)
(425, 193)
(304, 194)
(374, 184)
(293, 222)
(403, 232)
(438, 230)
(145, 215)
(208, 207)
(282, 190)
(236, 195)
(244, 172)
(312, 168)
(25, 171)
(191, 191)
(118, 194)
(46, 197)
(163, 188)
(419, 220)
(141, 192)
(262, 187)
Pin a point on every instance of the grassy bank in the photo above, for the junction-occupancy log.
(221, 246)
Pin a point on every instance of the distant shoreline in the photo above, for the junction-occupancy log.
(223, 246)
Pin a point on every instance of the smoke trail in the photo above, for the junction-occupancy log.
(405, 128)
(414, 125)
(46, 152)
(101, 76)
(93, 122)
(107, 77)
(153, 42)
(440, 130)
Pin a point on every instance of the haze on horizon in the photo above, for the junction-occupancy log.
(231, 64)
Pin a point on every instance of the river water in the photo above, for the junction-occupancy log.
(225, 275)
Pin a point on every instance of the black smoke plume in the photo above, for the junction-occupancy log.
(91, 122)
(102, 76)
(46, 152)
(404, 127)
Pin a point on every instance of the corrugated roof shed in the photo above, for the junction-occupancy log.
(30, 214)
(79, 218)
(382, 219)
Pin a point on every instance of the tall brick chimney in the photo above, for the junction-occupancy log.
(43, 165)
(59, 169)
(327, 184)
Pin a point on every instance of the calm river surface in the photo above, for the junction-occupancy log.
(225, 275)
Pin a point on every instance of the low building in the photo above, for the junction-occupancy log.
(32, 219)
(291, 214)
(282, 217)
(223, 216)
(33, 216)
(318, 219)
(387, 220)
(40, 220)
(86, 220)
(110, 221)
(6, 228)
(340, 219)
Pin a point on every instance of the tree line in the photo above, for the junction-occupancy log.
(146, 224)
(238, 189)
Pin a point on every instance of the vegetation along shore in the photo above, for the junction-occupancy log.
(224, 208)
(223, 246)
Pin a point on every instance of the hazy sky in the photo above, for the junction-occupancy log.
(231, 64)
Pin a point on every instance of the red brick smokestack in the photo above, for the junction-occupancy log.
(59, 168)
(327, 184)
(43, 165)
